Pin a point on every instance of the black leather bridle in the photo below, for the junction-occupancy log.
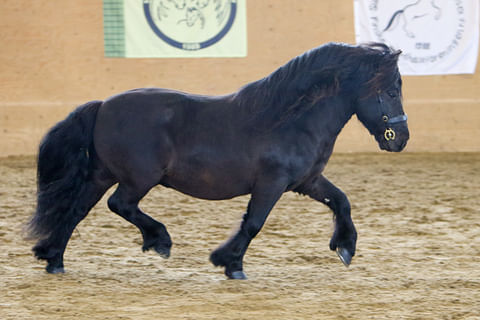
(389, 133)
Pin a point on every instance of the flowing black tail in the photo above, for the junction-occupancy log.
(62, 169)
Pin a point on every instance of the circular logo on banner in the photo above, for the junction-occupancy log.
(426, 30)
(190, 24)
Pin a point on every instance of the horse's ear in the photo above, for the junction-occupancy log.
(396, 54)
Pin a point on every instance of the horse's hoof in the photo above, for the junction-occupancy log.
(236, 275)
(54, 270)
(160, 247)
(164, 252)
(345, 256)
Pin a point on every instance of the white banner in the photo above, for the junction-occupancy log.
(436, 36)
(175, 28)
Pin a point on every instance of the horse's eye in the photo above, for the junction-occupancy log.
(392, 93)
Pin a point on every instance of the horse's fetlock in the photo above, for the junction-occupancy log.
(217, 258)
(44, 252)
(223, 256)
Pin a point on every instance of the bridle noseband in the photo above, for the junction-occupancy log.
(389, 133)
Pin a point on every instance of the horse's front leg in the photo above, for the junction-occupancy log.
(345, 236)
(230, 255)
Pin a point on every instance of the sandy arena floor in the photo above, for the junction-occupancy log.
(417, 216)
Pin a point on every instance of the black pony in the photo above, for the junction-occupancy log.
(272, 136)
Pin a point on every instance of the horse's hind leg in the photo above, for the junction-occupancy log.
(124, 201)
(53, 247)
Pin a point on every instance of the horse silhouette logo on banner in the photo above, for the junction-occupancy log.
(436, 36)
(422, 9)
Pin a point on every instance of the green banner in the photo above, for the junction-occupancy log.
(114, 28)
(175, 28)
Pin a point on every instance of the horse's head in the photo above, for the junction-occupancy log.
(380, 109)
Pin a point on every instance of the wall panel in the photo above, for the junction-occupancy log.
(52, 59)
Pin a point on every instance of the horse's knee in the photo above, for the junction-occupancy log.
(339, 204)
(251, 225)
(251, 228)
(344, 208)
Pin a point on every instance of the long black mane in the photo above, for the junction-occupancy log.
(317, 74)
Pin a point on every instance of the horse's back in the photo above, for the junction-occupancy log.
(157, 105)
(132, 114)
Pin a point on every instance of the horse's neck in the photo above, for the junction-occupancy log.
(327, 120)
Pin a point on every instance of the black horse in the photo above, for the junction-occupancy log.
(271, 136)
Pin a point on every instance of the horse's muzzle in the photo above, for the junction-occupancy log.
(393, 139)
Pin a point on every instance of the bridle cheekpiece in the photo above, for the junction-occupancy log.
(389, 133)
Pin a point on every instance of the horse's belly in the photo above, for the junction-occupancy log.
(207, 184)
